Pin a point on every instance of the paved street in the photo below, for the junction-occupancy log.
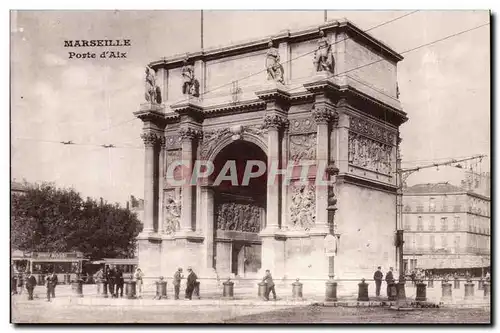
(60, 311)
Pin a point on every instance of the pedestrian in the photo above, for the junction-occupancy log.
(268, 279)
(99, 277)
(190, 284)
(119, 281)
(177, 282)
(389, 278)
(51, 282)
(111, 278)
(20, 283)
(30, 285)
(138, 276)
(377, 276)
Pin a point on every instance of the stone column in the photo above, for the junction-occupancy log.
(161, 190)
(343, 143)
(150, 142)
(188, 135)
(323, 117)
(207, 216)
(284, 186)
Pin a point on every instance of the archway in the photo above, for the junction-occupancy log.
(239, 212)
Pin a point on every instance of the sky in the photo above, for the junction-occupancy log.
(445, 88)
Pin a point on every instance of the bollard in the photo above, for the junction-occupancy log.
(456, 283)
(392, 291)
(297, 290)
(331, 291)
(430, 283)
(469, 290)
(400, 287)
(130, 289)
(363, 291)
(480, 284)
(228, 289)
(196, 291)
(486, 288)
(77, 287)
(421, 292)
(446, 291)
(161, 289)
(262, 291)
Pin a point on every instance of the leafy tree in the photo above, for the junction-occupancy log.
(48, 219)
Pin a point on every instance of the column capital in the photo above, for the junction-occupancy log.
(151, 139)
(189, 134)
(325, 115)
(275, 121)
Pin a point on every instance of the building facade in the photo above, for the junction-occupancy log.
(320, 99)
(446, 228)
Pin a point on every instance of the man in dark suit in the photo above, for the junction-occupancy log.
(389, 278)
(177, 283)
(111, 278)
(51, 283)
(191, 282)
(268, 279)
(30, 285)
(119, 281)
(377, 276)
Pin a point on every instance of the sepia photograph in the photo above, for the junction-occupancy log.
(250, 166)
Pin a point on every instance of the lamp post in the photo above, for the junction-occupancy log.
(331, 240)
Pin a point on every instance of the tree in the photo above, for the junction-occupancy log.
(48, 219)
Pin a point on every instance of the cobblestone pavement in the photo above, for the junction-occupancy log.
(315, 314)
(60, 311)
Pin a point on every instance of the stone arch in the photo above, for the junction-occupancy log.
(248, 137)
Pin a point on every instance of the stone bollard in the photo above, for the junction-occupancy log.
(130, 289)
(430, 283)
(262, 291)
(331, 291)
(392, 291)
(363, 291)
(297, 290)
(77, 288)
(228, 289)
(486, 288)
(161, 289)
(401, 294)
(421, 292)
(480, 284)
(196, 291)
(456, 283)
(446, 291)
(469, 290)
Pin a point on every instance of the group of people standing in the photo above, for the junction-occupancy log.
(378, 277)
(114, 280)
(191, 283)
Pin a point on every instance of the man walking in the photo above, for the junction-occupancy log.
(389, 278)
(191, 282)
(30, 285)
(377, 276)
(51, 282)
(268, 279)
(119, 281)
(177, 282)
(111, 277)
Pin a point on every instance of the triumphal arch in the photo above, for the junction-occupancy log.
(266, 133)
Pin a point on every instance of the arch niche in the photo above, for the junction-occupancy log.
(239, 210)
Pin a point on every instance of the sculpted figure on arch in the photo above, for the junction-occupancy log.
(153, 92)
(323, 57)
(273, 64)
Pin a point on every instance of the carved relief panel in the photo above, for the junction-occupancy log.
(302, 207)
(172, 211)
(303, 147)
(235, 216)
(171, 156)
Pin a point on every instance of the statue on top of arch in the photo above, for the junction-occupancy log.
(274, 68)
(153, 92)
(190, 85)
(323, 57)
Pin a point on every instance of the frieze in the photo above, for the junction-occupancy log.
(303, 147)
(369, 154)
(372, 130)
(302, 207)
(303, 125)
(235, 216)
(172, 213)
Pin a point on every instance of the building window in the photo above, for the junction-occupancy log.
(432, 205)
(420, 224)
(444, 242)
(456, 223)
(444, 224)
(420, 208)
(457, 244)
(432, 223)
(432, 242)
(407, 223)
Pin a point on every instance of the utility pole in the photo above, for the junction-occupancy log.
(402, 176)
